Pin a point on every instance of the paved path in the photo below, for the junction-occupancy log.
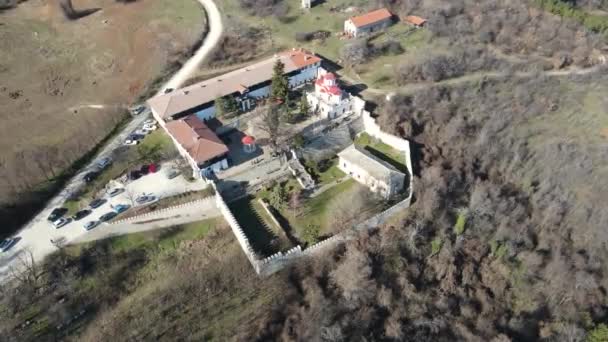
(35, 236)
(197, 211)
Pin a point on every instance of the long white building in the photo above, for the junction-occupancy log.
(247, 85)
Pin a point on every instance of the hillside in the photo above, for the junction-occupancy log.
(52, 68)
(505, 106)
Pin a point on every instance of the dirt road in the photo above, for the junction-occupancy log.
(37, 234)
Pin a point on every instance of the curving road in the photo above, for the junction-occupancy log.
(35, 237)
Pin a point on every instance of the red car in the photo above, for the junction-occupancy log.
(152, 168)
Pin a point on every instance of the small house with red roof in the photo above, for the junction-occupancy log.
(374, 21)
(199, 145)
(415, 20)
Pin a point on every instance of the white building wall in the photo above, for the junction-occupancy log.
(260, 93)
(306, 75)
(207, 113)
(350, 28)
(362, 176)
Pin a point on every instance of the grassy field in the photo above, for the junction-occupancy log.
(382, 151)
(316, 211)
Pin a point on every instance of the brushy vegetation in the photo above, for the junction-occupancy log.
(594, 22)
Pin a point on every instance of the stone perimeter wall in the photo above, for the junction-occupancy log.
(276, 262)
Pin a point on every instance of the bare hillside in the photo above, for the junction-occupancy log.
(52, 69)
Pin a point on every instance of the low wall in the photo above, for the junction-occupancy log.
(236, 229)
(299, 172)
(269, 212)
(373, 129)
(164, 210)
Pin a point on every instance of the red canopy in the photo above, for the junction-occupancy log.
(248, 140)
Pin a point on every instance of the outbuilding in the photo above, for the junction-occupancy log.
(368, 23)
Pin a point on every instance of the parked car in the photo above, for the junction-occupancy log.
(138, 110)
(56, 214)
(168, 90)
(108, 216)
(91, 176)
(130, 142)
(121, 208)
(6, 244)
(81, 214)
(61, 222)
(116, 191)
(149, 122)
(153, 168)
(145, 199)
(172, 173)
(91, 224)
(135, 174)
(144, 169)
(142, 132)
(96, 203)
(150, 127)
(104, 162)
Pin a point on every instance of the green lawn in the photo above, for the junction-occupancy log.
(158, 140)
(332, 174)
(382, 151)
(258, 227)
(316, 211)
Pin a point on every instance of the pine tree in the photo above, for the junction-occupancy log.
(230, 104)
(304, 106)
(220, 107)
(279, 87)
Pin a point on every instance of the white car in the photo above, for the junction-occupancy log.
(142, 132)
(150, 122)
(61, 222)
(130, 142)
(151, 127)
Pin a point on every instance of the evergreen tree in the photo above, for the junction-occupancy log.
(304, 106)
(279, 87)
(230, 104)
(220, 107)
(225, 105)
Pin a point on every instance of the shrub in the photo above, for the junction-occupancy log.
(460, 225)
(310, 234)
(436, 245)
(304, 36)
(598, 334)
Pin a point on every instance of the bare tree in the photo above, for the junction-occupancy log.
(295, 203)
(26, 271)
(272, 124)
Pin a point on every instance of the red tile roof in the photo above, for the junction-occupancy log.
(371, 17)
(412, 19)
(184, 99)
(301, 58)
(201, 143)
